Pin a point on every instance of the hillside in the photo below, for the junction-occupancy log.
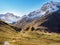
(47, 8)
(47, 23)
(8, 36)
(44, 19)
(6, 32)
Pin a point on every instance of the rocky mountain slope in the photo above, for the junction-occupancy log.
(48, 23)
(47, 18)
(6, 32)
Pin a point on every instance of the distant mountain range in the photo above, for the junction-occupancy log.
(9, 18)
(44, 19)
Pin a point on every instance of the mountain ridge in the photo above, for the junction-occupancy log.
(45, 11)
(9, 17)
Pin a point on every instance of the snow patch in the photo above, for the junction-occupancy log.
(53, 9)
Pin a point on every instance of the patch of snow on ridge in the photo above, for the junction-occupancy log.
(53, 9)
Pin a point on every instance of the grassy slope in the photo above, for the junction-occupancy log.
(37, 38)
(7, 33)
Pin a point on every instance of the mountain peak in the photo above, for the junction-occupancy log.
(9, 17)
(9, 14)
(52, 2)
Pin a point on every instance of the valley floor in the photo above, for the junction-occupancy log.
(32, 38)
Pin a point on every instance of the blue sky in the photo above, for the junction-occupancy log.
(21, 7)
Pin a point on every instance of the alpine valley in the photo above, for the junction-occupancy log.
(40, 27)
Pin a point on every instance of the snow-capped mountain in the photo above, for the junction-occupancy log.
(47, 8)
(9, 18)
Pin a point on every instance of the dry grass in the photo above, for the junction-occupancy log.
(36, 38)
(27, 38)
